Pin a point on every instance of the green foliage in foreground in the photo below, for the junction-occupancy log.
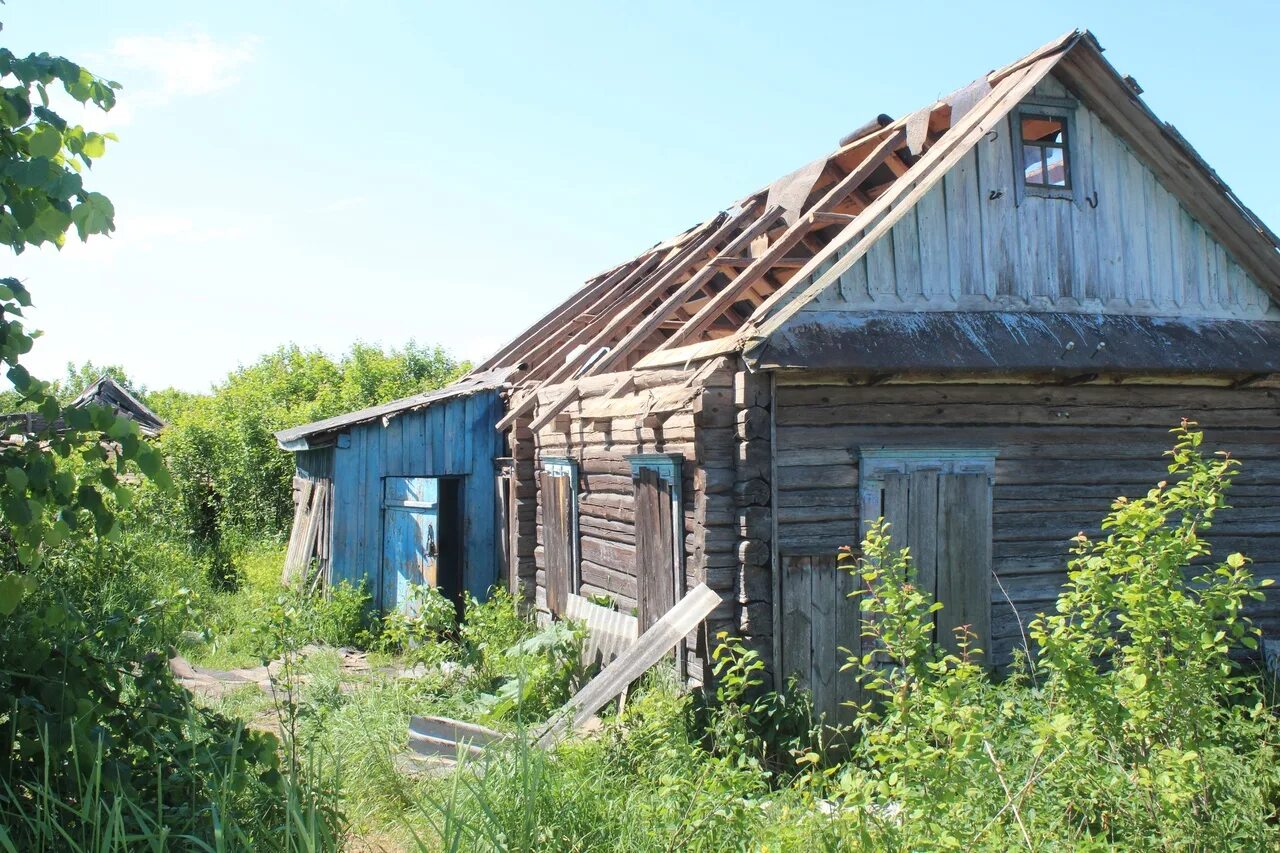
(1129, 727)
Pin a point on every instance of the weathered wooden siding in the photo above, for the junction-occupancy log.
(599, 435)
(451, 438)
(1063, 455)
(969, 244)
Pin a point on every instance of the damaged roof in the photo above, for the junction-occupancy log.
(733, 281)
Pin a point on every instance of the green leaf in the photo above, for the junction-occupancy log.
(13, 588)
(45, 141)
(94, 215)
(95, 145)
(16, 478)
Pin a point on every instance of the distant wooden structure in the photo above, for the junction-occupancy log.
(978, 320)
(104, 391)
(402, 493)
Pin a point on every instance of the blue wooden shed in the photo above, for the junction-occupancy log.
(406, 492)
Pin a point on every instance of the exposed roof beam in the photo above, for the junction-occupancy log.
(749, 276)
(876, 221)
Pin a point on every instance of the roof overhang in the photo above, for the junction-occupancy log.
(320, 433)
(1020, 342)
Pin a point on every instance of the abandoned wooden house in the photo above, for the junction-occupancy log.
(104, 391)
(979, 320)
(402, 493)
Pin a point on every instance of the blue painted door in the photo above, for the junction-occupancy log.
(410, 537)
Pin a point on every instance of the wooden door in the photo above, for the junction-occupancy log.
(410, 538)
(559, 533)
(657, 562)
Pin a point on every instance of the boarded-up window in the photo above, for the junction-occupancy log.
(938, 504)
(560, 531)
(659, 539)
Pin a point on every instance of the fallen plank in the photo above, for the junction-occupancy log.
(650, 648)
(445, 737)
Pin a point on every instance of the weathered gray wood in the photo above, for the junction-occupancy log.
(922, 534)
(797, 616)
(964, 558)
(824, 632)
(652, 646)
(1124, 244)
(849, 643)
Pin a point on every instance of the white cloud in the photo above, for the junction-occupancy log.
(157, 70)
(180, 65)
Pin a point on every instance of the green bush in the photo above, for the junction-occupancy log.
(1132, 725)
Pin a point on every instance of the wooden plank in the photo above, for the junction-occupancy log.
(797, 618)
(824, 634)
(652, 646)
(557, 544)
(848, 634)
(964, 558)
(997, 211)
(922, 528)
(895, 509)
(964, 228)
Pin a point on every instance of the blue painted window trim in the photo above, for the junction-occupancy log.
(564, 467)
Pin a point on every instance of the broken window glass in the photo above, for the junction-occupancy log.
(1044, 151)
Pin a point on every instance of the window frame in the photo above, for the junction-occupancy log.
(875, 462)
(1064, 110)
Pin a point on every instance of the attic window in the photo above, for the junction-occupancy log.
(1044, 151)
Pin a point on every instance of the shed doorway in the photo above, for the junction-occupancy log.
(420, 539)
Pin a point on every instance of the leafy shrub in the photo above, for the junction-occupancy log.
(538, 674)
(1137, 729)
(425, 618)
(766, 728)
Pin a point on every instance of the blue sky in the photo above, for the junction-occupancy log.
(333, 170)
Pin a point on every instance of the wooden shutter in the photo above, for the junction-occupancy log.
(938, 504)
(659, 535)
(558, 544)
(655, 548)
(964, 558)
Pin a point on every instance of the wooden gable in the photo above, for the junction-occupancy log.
(1118, 242)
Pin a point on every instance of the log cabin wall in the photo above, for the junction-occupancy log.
(1063, 455)
(523, 518)
(687, 412)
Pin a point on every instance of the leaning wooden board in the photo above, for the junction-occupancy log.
(650, 648)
